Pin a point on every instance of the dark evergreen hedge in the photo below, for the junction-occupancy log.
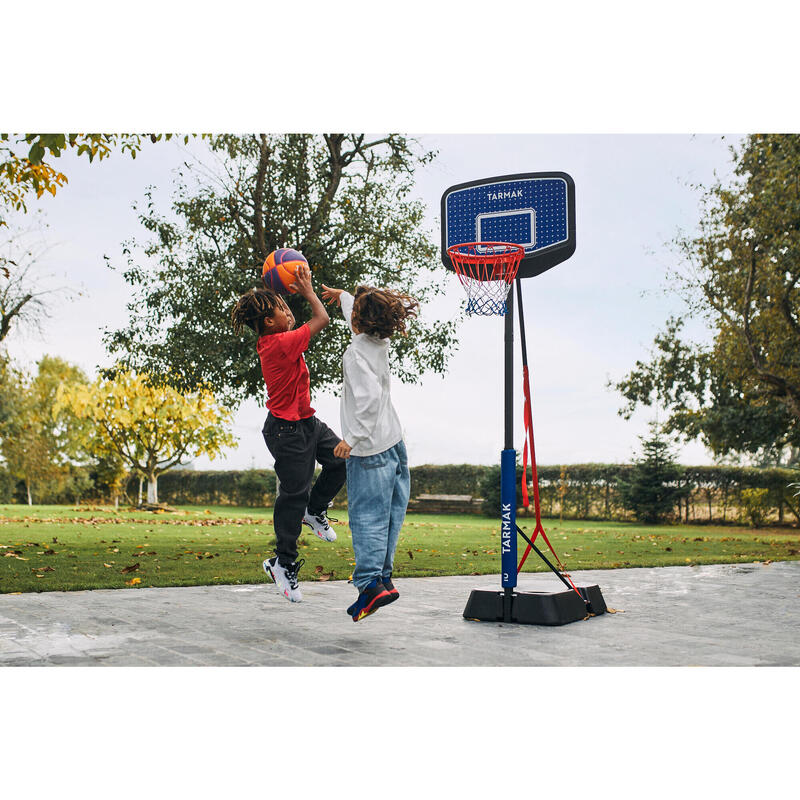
(574, 491)
(589, 491)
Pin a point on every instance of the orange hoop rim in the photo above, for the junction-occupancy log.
(486, 270)
(486, 261)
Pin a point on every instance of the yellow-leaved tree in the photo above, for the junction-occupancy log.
(148, 424)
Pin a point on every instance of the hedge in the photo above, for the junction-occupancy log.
(588, 491)
(573, 491)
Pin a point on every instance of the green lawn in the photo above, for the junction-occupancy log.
(45, 548)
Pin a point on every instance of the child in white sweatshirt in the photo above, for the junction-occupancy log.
(378, 480)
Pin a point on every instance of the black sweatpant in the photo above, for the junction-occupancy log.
(296, 445)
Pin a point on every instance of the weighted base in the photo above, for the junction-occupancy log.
(535, 608)
(595, 604)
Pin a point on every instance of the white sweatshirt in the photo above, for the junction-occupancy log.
(370, 424)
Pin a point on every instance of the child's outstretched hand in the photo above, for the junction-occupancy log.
(342, 450)
(302, 281)
(330, 295)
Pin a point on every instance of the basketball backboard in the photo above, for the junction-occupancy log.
(535, 210)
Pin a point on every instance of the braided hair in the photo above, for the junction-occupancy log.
(382, 312)
(252, 308)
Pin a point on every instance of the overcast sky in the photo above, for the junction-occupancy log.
(588, 319)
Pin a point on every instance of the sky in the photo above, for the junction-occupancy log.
(588, 319)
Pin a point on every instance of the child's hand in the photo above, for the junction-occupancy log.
(342, 450)
(302, 281)
(331, 294)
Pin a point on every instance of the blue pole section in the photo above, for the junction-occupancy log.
(508, 518)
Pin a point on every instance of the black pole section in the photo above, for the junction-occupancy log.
(542, 556)
(522, 325)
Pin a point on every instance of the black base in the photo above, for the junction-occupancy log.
(535, 608)
(595, 604)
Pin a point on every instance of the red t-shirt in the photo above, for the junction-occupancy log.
(286, 374)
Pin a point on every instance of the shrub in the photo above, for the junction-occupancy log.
(653, 489)
(755, 505)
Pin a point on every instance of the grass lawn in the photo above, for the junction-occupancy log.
(46, 548)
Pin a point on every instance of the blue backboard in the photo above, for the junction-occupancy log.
(535, 210)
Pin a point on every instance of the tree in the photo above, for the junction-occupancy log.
(342, 199)
(23, 293)
(652, 490)
(109, 471)
(7, 390)
(739, 393)
(146, 423)
(24, 168)
(35, 445)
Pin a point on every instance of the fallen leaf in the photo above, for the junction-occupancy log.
(131, 568)
(133, 582)
(106, 565)
(614, 610)
(410, 555)
(43, 569)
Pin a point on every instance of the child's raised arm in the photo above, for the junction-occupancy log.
(319, 316)
(344, 299)
(332, 295)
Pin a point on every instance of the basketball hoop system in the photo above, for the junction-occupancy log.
(487, 271)
(537, 212)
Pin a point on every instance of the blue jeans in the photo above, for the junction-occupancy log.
(378, 488)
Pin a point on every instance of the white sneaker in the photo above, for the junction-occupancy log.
(319, 524)
(285, 578)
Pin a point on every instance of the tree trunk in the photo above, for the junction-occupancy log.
(141, 481)
(152, 489)
(28, 489)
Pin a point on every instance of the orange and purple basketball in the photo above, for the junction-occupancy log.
(280, 268)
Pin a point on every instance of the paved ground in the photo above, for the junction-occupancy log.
(738, 615)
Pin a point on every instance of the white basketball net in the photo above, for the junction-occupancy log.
(487, 271)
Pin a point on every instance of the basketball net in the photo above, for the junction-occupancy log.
(486, 271)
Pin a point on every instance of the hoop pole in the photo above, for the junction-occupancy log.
(508, 473)
(508, 442)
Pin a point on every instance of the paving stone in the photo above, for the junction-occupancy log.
(715, 615)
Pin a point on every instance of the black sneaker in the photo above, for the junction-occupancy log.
(369, 601)
(389, 586)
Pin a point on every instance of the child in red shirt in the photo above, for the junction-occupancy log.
(295, 437)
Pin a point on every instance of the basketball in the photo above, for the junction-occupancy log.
(280, 268)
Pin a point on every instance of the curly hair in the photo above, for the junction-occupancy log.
(382, 312)
(252, 308)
